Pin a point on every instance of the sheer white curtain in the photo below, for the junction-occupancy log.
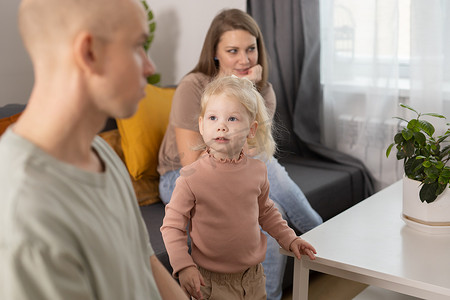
(375, 54)
(430, 56)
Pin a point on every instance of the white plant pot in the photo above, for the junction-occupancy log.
(429, 217)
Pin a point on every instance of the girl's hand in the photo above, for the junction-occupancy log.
(254, 74)
(190, 281)
(301, 247)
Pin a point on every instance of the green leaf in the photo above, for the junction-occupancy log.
(433, 160)
(413, 125)
(413, 167)
(398, 138)
(428, 180)
(432, 172)
(443, 137)
(154, 79)
(409, 107)
(417, 169)
(407, 134)
(442, 180)
(434, 115)
(150, 39)
(445, 172)
(388, 150)
(409, 148)
(428, 192)
(402, 119)
(426, 126)
(152, 27)
(420, 138)
(426, 164)
(441, 188)
(401, 155)
(439, 165)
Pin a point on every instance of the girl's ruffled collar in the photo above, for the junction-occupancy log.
(226, 160)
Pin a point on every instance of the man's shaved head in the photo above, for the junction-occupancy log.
(94, 47)
(49, 24)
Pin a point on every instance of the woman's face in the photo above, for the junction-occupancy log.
(237, 52)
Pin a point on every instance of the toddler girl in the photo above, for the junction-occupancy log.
(223, 200)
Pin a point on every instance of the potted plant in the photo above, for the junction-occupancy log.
(425, 156)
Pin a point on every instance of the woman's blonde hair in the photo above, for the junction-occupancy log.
(246, 93)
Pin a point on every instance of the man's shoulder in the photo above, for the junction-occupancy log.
(29, 206)
(102, 146)
(10, 142)
(15, 155)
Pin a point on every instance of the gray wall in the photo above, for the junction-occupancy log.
(181, 28)
(16, 73)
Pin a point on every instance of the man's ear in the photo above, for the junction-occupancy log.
(87, 53)
(253, 128)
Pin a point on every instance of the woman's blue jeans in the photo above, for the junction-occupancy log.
(293, 206)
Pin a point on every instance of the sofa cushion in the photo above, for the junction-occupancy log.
(6, 121)
(142, 134)
(329, 187)
(153, 216)
(11, 109)
(146, 190)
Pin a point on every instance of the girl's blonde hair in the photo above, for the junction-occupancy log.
(246, 93)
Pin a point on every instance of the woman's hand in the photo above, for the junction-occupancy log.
(254, 74)
(190, 281)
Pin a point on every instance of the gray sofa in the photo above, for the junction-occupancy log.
(330, 188)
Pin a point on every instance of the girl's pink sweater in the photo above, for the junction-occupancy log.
(225, 202)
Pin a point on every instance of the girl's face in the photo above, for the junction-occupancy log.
(225, 126)
(237, 52)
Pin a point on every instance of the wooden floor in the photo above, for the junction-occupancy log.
(326, 287)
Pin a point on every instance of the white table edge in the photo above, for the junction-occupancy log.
(393, 283)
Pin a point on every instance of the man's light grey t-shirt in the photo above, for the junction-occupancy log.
(66, 233)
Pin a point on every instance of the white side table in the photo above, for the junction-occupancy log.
(370, 243)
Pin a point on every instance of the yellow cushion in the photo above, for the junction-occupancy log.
(146, 189)
(142, 134)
